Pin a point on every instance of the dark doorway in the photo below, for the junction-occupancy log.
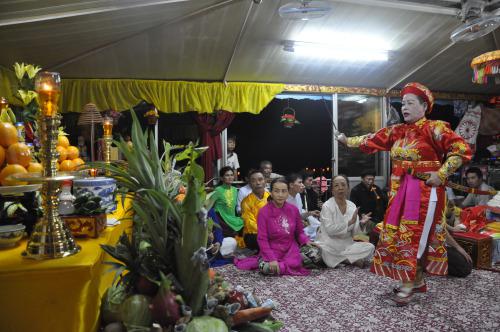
(263, 137)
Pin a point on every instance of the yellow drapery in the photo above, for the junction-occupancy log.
(167, 96)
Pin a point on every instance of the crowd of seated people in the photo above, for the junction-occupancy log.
(275, 223)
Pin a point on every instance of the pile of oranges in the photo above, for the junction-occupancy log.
(68, 155)
(16, 157)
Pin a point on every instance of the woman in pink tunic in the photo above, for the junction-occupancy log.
(280, 233)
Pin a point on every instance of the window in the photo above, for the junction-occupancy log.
(358, 115)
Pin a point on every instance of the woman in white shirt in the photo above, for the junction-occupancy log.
(339, 223)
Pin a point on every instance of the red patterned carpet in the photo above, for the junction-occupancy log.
(351, 299)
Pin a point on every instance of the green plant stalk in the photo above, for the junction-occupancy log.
(174, 233)
(194, 278)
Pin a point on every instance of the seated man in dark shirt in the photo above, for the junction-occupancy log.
(310, 198)
(369, 198)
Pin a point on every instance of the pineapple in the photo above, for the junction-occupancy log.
(167, 237)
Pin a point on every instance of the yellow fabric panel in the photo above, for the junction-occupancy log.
(167, 96)
(493, 226)
(59, 294)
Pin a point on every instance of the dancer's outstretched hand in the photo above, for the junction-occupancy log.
(341, 137)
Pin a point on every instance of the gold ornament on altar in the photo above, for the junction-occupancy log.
(487, 64)
(107, 126)
(51, 238)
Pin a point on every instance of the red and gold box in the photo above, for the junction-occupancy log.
(86, 226)
(478, 246)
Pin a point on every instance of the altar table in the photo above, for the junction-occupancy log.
(58, 295)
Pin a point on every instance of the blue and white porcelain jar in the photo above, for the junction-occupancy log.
(99, 186)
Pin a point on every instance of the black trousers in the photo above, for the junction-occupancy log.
(457, 264)
(251, 241)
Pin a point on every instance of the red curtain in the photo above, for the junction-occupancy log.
(210, 127)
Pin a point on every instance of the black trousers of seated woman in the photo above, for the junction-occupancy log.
(457, 264)
(227, 231)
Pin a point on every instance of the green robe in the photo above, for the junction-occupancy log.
(225, 198)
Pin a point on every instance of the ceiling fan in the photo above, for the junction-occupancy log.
(476, 24)
(304, 9)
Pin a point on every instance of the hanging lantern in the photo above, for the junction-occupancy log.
(487, 64)
(288, 118)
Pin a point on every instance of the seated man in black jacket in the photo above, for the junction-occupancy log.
(310, 198)
(369, 198)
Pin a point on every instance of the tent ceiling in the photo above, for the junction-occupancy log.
(198, 39)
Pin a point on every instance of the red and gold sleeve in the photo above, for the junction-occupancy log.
(457, 151)
(371, 143)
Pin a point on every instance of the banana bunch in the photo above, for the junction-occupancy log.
(7, 115)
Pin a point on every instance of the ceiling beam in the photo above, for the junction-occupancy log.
(114, 42)
(406, 5)
(237, 42)
(75, 9)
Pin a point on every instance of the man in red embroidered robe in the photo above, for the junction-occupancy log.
(414, 231)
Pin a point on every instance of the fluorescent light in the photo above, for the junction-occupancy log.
(326, 51)
(344, 39)
(340, 46)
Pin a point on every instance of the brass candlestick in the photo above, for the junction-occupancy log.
(107, 126)
(51, 238)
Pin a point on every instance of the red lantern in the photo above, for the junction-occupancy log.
(288, 118)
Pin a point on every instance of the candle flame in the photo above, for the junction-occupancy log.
(46, 87)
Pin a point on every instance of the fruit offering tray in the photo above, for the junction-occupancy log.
(16, 190)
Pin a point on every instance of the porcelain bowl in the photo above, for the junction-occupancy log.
(100, 186)
(10, 235)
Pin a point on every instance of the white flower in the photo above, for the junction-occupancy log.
(20, 70)
(27, 96)
(32, 70)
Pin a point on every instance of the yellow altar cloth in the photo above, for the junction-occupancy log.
(58, 295)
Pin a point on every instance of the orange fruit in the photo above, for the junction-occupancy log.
(19, 153)
(35, 168)
(62, 153)
(179, 198)
(62, 141)
(67, 165)
(2, 155)
(9, 170)
(78, 162)
(8, 134)
(72, 152)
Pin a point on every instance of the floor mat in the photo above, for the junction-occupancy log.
(352, 299)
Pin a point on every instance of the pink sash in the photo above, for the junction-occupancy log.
(406, 202)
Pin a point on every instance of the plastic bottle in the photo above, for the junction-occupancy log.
(66, 199)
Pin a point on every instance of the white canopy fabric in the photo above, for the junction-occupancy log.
(237, 40)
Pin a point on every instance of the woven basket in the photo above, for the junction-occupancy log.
(90, 115)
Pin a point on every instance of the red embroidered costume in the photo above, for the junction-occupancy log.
(414, 223)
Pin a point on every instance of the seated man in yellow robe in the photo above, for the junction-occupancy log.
(250, 207)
